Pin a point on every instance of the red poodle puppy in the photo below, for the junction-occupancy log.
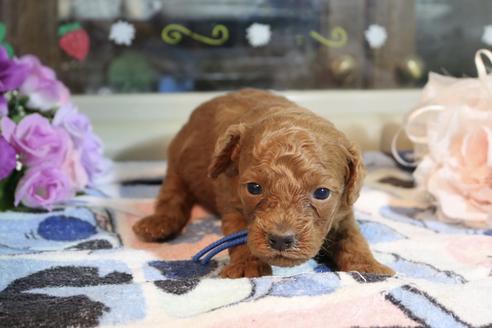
(262, 163)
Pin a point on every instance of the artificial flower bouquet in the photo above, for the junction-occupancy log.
(48, 151)
(452, 132)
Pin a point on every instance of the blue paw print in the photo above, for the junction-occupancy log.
(65, 228)
(183, 269)
(320, 268)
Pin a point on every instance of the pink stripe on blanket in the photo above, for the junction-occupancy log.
(313, 312)
(177, 249)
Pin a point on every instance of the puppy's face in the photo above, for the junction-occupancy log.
(291, 187)
(288, 216)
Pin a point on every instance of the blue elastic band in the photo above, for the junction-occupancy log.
(225, 239)
(218, 246)
(228, 244)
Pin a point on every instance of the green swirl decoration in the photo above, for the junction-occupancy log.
(338, 37)
(173, 34)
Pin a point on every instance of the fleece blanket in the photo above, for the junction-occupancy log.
(81, 266)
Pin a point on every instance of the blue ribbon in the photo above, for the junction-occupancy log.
(235, 239)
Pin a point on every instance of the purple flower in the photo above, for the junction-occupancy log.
(7, 158)
(41, 86)
(12, 72)
(4, 109)
(92, 157)
(43, 186)
(75, 123)
(37, 141)
(86, 158)
(7, 127)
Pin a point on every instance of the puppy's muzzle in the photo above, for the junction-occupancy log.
(281, 242)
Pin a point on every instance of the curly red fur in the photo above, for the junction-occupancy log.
(256, 136)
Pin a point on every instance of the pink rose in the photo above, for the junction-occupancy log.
(45, 92)
(37, 141)
(7, 127)
(42, 187)
(73, 168)
(7, 158)
(457, 166)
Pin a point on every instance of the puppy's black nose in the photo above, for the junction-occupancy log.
(281, 242)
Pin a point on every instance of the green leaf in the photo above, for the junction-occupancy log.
(4, 199)
(8, 47)
(3, 31)
(17, 118)
(15, 108)
(7, 191)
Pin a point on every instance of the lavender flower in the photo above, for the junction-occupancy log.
(76, 123)
(93, 158)
(7, 158)
(59, 156)
(12, 75)
(4, 109)
(12, 72)
(45, 92)
(7, 127)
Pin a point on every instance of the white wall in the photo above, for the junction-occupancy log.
(140, 126)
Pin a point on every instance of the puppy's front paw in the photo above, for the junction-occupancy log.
(246, 268)
(372, 267)
(154, 228)
(383, 270)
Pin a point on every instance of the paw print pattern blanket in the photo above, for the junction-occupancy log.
(81, 266)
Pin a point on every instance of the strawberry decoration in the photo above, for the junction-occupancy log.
(74, 40)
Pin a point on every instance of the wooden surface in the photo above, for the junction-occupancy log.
(32, 28)
(350, 15)
(398, 17)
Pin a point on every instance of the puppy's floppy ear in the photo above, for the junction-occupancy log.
(355, 174)
(226, 152)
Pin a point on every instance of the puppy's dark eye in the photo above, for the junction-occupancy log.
(321, 193)
(254, 188)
